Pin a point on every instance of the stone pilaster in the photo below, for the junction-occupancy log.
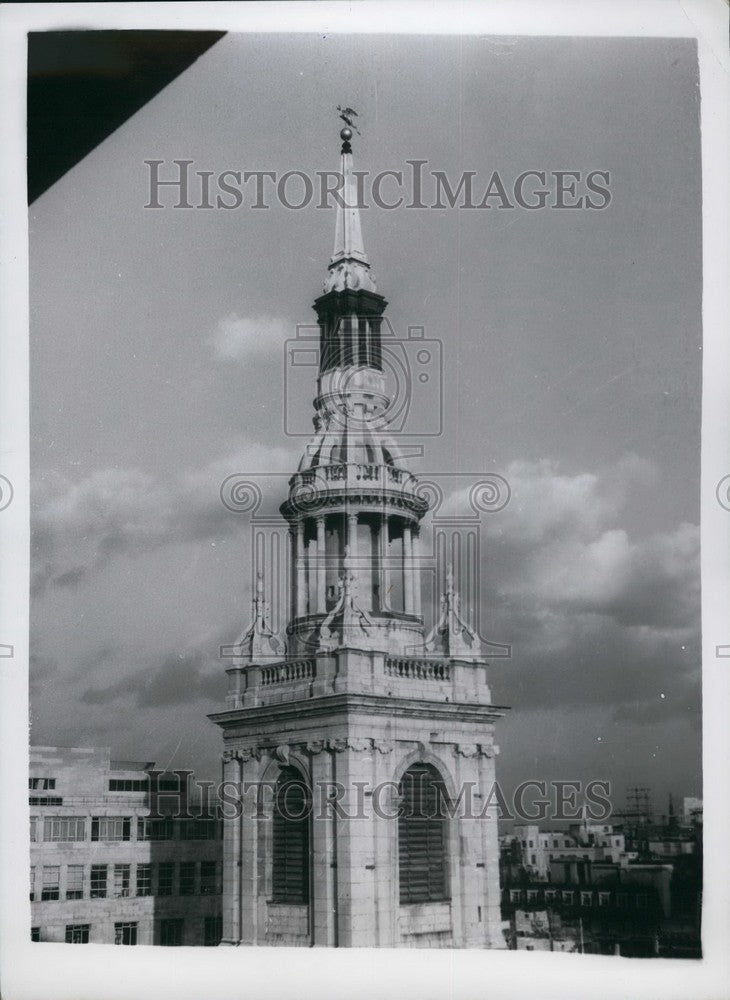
(324, 848)
(231, 858)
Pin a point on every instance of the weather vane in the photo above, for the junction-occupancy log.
(347, 114)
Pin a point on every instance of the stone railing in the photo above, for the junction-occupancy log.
(284, 673)
(353, 473)
(351, 670)
(412, 668)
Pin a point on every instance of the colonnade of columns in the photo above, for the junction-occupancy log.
(384, 561)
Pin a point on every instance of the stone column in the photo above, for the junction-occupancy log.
(384, 564)
(299, 558)
(321, 567)
(416, 550)
(407, 569)
(292, 572)
(352, 534)
(376, 570)
(352, 545)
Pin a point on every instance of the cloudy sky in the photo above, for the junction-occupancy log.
(571, 355)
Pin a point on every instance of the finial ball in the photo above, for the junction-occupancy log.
(346, 134)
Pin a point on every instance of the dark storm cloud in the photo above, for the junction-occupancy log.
(115, 512)
(590, 660)
(179, 679)
(71, 577)
(41, 667)
(594, 616)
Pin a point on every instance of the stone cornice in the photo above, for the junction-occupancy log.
(340, 497)
(367, 744)
(351, 705)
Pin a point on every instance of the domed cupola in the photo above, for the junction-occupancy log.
(341, 440)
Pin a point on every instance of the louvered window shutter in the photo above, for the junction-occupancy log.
(422, 861)
(291, 854)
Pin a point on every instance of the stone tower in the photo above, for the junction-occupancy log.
(359, 756)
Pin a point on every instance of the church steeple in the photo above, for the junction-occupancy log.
(360, 700)
(350, 310)
(349, 266)
(353, 508)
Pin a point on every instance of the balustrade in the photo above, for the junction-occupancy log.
(283, 673)
(352, 472)
(412, 668)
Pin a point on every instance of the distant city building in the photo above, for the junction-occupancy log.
(117, 857)
(538, 848)
(599, 917)
(596, 888)
(665, 845)
(691, 810)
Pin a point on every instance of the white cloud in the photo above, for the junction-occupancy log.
(595, 613)
(240, 337)
(80, 526)
(565, 545)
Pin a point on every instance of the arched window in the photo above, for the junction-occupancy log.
(290, 848)
(422, 836)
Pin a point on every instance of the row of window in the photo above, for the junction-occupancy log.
(168, 931)
(569, 897)
(167, 878)
(64, 829)
(115, 784)
(143, 785)
(552, 857)
(571, 843)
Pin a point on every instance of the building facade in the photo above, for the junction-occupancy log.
(598, 888)
(537, 848)
(118, 854)
(351, 744)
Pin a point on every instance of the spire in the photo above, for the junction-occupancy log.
(672, 817)
(258, 642)
(349, 267)
(348, 232)
(451, 636)
(353, 621)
